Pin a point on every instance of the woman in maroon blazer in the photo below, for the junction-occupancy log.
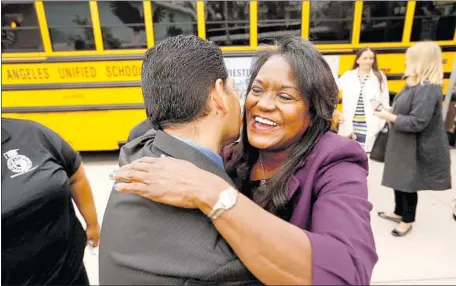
(302, 215)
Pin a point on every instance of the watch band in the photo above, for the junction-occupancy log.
(218, 213)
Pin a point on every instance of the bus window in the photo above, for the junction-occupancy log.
(278, 19)
(20, 30)
(172, 18)
(70, 25)
(434, 20)
(227, 22)
(122, 24)
(383, 21)
(331, 21)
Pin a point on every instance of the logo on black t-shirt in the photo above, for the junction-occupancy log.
(17, 163)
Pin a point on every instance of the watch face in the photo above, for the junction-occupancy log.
(228, 198)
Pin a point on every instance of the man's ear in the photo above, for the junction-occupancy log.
(218, 96)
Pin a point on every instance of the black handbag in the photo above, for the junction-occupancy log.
(379, 149)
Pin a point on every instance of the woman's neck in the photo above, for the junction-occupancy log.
(272, 159)
(363, 72)
(267, 164)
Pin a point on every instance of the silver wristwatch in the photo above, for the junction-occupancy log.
(227, 199)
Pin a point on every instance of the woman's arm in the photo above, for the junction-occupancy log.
(423, 105)
(80, 187)
(341, 81)
(384, 94)
(82, 196)
(345, 127)
(275, 251)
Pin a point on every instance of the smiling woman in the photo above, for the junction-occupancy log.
(290, 94)
(312, 205)
(274, 90)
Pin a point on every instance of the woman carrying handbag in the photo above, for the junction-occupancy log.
(379, 148)
(417, 154)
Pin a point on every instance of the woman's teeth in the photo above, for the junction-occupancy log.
(265, 121)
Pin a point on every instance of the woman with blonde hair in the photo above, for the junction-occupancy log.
(417, 155)
(364, 88)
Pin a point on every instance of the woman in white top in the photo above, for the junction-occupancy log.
(364, 88)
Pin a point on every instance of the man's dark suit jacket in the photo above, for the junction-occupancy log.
(140, 129)
(144, 242)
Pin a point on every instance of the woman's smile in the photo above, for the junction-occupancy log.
(263, 124)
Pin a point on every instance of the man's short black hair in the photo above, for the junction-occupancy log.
(177, 76)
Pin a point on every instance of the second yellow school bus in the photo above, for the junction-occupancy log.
(75, 65)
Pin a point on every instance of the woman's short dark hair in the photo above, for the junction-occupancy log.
(177, 76)
(318, 88)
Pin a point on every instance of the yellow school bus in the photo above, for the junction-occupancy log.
(75, 65)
